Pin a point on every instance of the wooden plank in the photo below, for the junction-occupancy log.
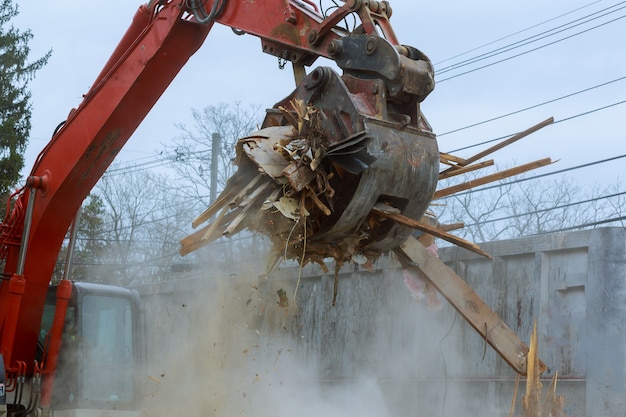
(243, 193)
(449, 159)
(223, 199)
(511, 140)
(507, 142)
(491, 178)
(451, 226)
(469, 304)
(298, 176)
(245, 205)
(464, 170)
(208, 233)
(431, 230)
(261, 149)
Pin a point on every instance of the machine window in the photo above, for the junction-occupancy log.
(107, 339)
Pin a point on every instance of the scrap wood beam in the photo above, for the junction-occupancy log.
(469, 304)
(491, 178)
(464, 162)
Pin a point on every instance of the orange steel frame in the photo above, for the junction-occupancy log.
(161, 38)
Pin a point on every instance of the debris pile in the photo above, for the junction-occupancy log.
(286, 188)
(536, 402)
(294, 184)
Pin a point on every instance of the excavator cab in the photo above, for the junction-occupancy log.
(101, 350)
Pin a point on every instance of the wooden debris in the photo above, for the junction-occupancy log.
(261, 149)
(535, 403)
(283, 301)
(491, 178)
(465, 169)
(461, 296)
(214, 208)
(431, 230)
(285, 189)
(299, 177)
(489, 151)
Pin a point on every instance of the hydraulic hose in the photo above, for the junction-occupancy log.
(197, 7)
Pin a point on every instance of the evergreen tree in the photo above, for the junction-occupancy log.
(15, 107)
(89, 246)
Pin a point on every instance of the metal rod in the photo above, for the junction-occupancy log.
(21, 260)
(216, 141)
(69, 257)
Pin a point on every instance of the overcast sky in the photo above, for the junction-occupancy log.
(230, 69)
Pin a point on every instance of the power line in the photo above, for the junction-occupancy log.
(531, 39)
(532, 107)
(591, 111)
(602, 161)
(597, 109)
(130, 168)
(590, 224)
(516, 33)
(531, 50)
(562, 206)
(168, 159)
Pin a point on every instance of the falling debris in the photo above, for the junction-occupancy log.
(295, 185)
(283, 301)
(536, 403)
(351, 199)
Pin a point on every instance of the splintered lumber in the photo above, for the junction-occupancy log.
(465, 169)
(208, 233)
(451, 226)
(214, 208)
(477, 313)
(196, 240)
(212, 227)
(532, 400)
(431, 230)
(491, 178)
(245, 205)
(509, 141)
(449, 159)
(500, 145)
(536, 403)
(318, 203)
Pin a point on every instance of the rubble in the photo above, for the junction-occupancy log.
(283, 189)
(291, 186)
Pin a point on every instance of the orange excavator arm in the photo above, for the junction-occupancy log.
(162, 37)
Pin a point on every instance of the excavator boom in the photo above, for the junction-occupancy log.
(162, 37)
(337, 160)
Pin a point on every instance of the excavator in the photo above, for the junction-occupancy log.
(72, 349)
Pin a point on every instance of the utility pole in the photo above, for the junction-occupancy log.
(215, 153)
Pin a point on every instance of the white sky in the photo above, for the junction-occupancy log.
(229, 68)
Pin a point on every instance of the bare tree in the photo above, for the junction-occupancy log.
(520, 207)
(143, 223)
(193, 155)
(543, 206)
(615, 203)
(475, 208)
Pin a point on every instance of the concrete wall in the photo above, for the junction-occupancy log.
(574, 284)
(426, 361)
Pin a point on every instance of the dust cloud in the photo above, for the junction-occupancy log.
(227, 344)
